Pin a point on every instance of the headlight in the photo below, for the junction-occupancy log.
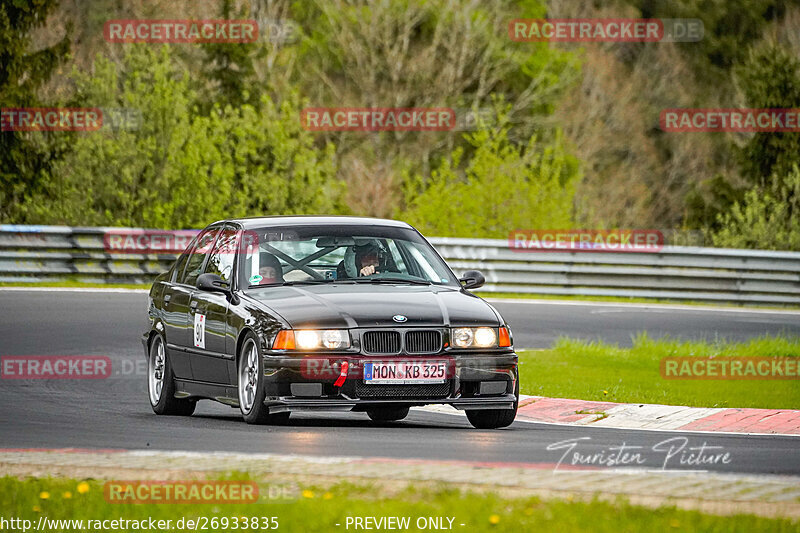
(483, 337)
(307, 340)
(463, 337)
(310, 339)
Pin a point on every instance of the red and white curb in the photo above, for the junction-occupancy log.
(651, 417)
(659, 417)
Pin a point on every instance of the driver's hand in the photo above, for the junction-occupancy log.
(368, 270)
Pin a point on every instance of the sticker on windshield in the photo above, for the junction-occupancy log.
(199, 331)
(255, 278)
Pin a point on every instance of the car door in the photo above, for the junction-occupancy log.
(210, 358)
(179, 329)
(175, 306)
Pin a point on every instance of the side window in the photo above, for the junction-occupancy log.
(194, 265)
(177, 274)
(220, 262)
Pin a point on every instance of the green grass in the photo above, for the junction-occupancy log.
(317, 509)
(625, 299)
(604, 372)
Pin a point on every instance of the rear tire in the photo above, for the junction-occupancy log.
(251, 386)
(161, 383)
(387, 414)
(494, 418)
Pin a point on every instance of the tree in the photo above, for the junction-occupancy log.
(500, 188)
(770, 78)
(229, 68)
(767, 219)
(181, 168)
(411, 53)
(25, 157)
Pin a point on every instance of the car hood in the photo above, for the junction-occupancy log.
(352, 306)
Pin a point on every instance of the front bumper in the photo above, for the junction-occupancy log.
(278, 405)
(465, 387)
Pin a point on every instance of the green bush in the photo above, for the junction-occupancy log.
(181, 168)
(501, 188)
(767, 219)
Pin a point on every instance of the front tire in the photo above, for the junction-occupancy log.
(161, 383)
(251, 386)
(387, 414)
(494, 418)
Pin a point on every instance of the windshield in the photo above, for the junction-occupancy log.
(339, 254)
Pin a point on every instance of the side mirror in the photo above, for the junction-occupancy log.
(472, 279)
(213, 283)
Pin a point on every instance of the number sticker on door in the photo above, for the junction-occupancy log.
(199, 331)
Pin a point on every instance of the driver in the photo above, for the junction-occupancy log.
(362, 260)
(269, 268)
(367, 260)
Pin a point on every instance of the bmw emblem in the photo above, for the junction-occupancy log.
(399, 318)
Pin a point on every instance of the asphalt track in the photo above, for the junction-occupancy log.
(114, 412)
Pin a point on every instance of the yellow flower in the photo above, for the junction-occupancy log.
(44, 495)
(37, 508)
(83, 487)
(327, 496)
(494, 519)
(308, 494)
(66, 495)
(674, 523)
(605, 392)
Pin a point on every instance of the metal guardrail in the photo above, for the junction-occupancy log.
(36, 254)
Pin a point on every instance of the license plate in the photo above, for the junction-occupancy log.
(405, 372)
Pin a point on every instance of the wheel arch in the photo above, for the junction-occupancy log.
(240, 341)
(157, 329)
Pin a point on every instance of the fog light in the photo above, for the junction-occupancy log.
(306, 389)
(493, 387)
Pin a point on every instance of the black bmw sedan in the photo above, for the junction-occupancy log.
(280, 314)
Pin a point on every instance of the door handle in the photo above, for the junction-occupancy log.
(193, 304)
(167, 298)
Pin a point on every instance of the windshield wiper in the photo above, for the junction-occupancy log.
(393, 280)
(307, 282)
(290, 283)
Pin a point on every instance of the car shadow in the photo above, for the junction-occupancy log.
(333, 421)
